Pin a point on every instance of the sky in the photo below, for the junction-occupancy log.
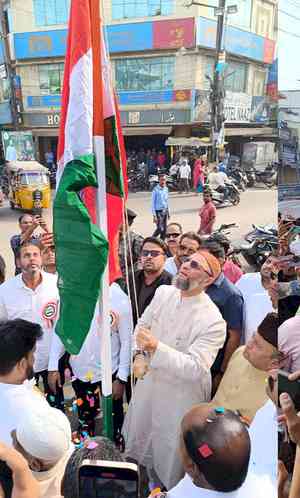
(289, 45)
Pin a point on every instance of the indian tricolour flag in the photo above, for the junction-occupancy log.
(90, 188)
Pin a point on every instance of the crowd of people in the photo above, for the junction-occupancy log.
(199, 336)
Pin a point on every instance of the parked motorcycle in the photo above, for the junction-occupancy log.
(268, 177)
(250, 174)
(172, 182)
(259, 244)
(233, 196)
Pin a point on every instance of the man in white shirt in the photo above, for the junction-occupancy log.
(33, 296)
(86, 366)
(253, 292)
(181, 333)
(184, 176)
(217, 181)
(189, 243)
(18, 396)
(215, 451)
(45, 440)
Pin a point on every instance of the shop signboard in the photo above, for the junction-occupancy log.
(42, 119)
(237, 107)
(154, 97)
(175, 33)
(155, 117)
(18, 146)
(236, 41)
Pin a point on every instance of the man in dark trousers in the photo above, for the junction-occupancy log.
(152, 275)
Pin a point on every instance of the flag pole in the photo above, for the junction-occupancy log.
(99, 151)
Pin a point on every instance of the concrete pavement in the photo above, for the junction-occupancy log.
(257, 206)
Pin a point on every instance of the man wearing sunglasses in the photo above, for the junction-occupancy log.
(189, 244)
(174, 231)
(180, 333)
(150, 277)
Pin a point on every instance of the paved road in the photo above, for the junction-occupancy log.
(257, 206)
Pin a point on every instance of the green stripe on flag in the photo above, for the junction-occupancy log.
(113, 167)
(81, 253)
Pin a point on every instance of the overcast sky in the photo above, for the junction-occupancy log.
(289, 46)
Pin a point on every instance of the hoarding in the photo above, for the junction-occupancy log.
(18, 146)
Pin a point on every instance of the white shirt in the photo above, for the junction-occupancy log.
(264, 441)
(170, 266)
(87, 364)
(37, 306)
(185, 171)
(216, 180)
(15, 402)
(253, 293)
(255, 486)
(50, 480)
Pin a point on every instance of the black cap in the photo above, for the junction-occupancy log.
(131, 214)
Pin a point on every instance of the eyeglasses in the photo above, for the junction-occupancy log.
(172, 235)
(195, 265)
(153, 254)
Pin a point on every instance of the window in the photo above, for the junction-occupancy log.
(153, 73)
(235, 75)
(51, 78)
(125, 9)
(259, 83)
(51, 12)
(4, 90)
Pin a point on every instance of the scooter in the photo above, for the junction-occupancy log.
(259, 244)
(233, 196)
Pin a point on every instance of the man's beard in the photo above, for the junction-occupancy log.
(184, 284)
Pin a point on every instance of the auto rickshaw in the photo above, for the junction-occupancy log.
(29, 185)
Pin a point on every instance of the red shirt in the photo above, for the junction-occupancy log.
(207, 215)
(232, 271)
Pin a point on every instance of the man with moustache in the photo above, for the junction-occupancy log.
(189, 243)
(150, 277)
(18, 340)
(180, 334)
(33, 295)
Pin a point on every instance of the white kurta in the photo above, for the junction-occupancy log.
(191, 331)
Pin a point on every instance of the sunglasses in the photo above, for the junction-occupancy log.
(195, 265)
(172, 235)
(153, 254)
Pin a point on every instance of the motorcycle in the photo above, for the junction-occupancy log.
(233, 195)
(239, 178)
(250, 174)
(258, 245)
(172, 182)
(268, 177)
(221, 236)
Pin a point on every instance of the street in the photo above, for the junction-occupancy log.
(257, 206)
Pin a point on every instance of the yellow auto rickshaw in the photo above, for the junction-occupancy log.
(29, 185)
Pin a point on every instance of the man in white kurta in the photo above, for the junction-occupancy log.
(185, 333)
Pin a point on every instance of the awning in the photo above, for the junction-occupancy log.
(188, 142)
(146, 130)
(250, 132)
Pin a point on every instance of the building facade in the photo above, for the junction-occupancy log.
(162, 56)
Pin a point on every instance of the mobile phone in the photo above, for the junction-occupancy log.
(292, 387)
(102, 479)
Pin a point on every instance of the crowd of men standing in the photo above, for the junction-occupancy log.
(181, 308)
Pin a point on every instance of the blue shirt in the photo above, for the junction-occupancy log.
(160, 198)
(230, 302)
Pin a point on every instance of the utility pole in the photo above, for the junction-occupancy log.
(10, 71)
(217, 92)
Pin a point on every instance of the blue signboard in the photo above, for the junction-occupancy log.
(5, 113)
(135, 98)
(273, 73)
(130, 37)
(44, 101)
(40, 44)
(236, 41)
